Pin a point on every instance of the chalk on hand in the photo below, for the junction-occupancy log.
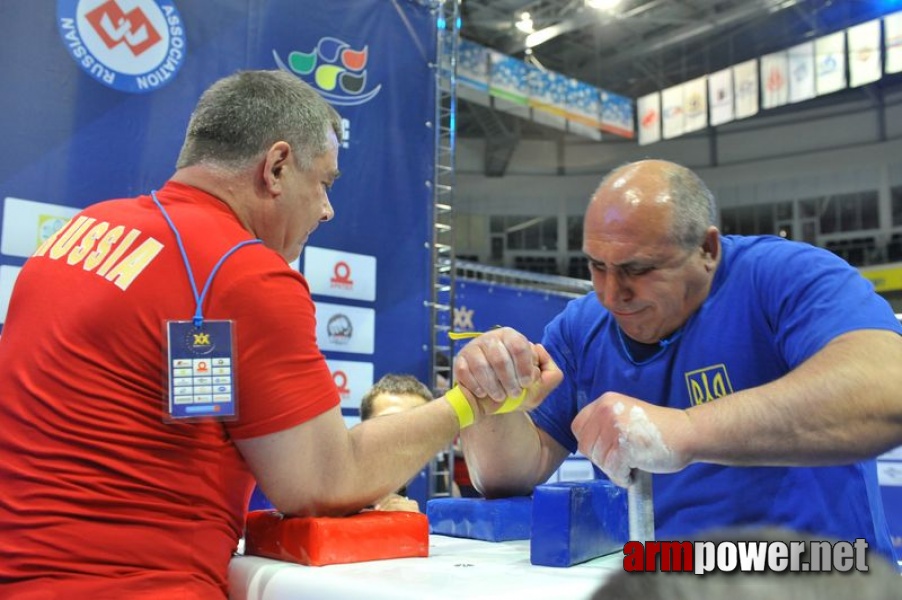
(316, 541)
(573, 522)
(497, 520)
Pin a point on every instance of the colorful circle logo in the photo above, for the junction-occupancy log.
(336, 69)
(136, 46)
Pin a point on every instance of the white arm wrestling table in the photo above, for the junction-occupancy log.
(457, 568)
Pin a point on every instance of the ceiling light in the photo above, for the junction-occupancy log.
(525, 23)
(602, 4)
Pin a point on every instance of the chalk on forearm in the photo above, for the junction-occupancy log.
(496, 520)
(573, 522)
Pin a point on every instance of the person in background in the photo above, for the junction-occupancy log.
(756, 377)
(839, 581)
(394, 393)
(116, 484)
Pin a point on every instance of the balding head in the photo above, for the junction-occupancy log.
(658, 190)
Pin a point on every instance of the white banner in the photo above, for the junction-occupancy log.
(649, 108)
(801, 72)
(745, 88)
(695, 104)
(830, 52)
(672, 112)
(340, 274)
(720, 96)
(341, 328)
(892, 41)
(889, 473)
(864, 53)
(26, 224)
(352, 379)
(774, 80)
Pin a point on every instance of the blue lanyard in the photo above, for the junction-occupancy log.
(198, 298)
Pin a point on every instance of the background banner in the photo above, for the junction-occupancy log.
(97, 93)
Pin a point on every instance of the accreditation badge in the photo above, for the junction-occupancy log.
(201, 372)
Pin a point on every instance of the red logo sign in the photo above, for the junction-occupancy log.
(341, 275)
(341, 382)
(116, 27)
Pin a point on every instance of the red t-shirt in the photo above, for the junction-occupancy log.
(99, 496)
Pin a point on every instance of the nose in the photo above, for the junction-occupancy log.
(612, 287)
(328, 212)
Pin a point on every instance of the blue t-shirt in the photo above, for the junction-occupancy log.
(773, 304)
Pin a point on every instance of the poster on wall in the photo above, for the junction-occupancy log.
(801, 72)
(745, 88)
(695, 104)
(892, 41)
(774, 80)
(830, 51)
(649, 109)
(864, 55)
(720, 96)
(98, 105)
(672, 116)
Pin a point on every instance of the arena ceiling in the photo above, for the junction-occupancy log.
(643, 46)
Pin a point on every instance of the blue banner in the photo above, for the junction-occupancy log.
(479, 306)
(97, 93)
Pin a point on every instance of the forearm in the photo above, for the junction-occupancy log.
(322, 468)
(842, 405)
(505, 455)
(386, 452)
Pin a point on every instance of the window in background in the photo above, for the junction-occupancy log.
(896, 202)
(574, 233)
(850, 212)
(526, 233)
(754, 219)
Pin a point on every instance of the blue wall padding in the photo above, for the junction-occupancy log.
(573, 522)
(497, 520)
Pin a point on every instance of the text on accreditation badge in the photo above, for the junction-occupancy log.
(201, 370)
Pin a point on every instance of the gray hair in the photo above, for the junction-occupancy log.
(694, 209)
(240, 116)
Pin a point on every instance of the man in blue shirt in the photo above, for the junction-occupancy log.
(754, 376)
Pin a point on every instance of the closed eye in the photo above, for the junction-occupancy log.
(630, 270)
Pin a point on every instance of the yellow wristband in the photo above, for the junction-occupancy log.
(465, 413)
(461, 406)
(511, 403)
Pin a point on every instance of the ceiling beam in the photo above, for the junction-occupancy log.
(684, 34)
(582, 17)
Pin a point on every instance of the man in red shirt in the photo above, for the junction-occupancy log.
(143, 314)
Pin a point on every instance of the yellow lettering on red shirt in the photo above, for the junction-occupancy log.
(131, 266)
(103, 248)
(65, 242)
(42, 249)
(87, 243)
(118, 252)
(85, 239)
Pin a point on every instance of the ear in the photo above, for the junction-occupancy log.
(711, 247)
(274, 163)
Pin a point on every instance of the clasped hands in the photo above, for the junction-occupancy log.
(616, 432)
